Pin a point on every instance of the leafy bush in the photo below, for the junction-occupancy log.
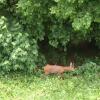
(17, 51)
(88, 68)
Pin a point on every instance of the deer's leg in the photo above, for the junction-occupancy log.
(44, 75)
(61, 75)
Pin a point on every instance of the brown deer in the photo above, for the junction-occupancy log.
(56, 69)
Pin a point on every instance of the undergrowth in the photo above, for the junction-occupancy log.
(81, 84)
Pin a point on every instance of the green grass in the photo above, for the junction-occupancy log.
(19, 86)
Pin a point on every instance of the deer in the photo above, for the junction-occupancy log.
(56, 69)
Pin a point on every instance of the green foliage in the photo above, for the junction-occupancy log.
(2, 4)
(41, 60)
(81, 14)
(25, 23)
(17, 52)
(2, 1)
(32, 16)
(58, 34)
(88, 68)
(59, 20)
(82, 23)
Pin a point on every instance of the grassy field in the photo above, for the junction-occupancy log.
(19, 86)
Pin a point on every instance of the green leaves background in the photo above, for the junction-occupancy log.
(25, 23)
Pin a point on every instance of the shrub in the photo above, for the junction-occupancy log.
(16, 49)
(88, 68)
